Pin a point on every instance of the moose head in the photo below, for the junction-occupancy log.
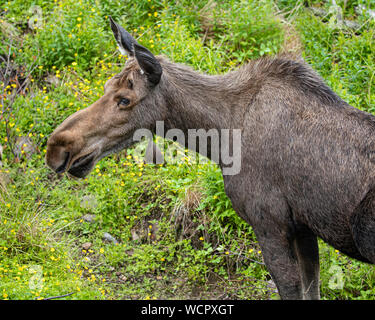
(130, 101)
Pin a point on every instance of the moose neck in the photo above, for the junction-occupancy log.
(197, 101)
(205, 105)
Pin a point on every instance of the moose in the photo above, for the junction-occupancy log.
(307, 157)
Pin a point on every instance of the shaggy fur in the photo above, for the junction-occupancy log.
(307, 156)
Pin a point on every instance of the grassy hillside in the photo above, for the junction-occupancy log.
(174, 232)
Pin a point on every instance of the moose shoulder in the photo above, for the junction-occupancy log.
(307, 157)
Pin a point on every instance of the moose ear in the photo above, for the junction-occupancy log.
(148, 63)
(123, 38)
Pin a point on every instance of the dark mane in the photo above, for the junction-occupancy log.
(298, 74)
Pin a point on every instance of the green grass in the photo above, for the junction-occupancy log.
(178, 236)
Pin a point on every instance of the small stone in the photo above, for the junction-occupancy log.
(4, 179)
(89, 217)
(319, 11)
(52, 79)
(362, 10)
(87, 245)
(351, 24)
(24, 147)
(123, 278)
(135, 235)
(89, 202)
(109, 238)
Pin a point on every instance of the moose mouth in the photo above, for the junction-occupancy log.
(82, 166)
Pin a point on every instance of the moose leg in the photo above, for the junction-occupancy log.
(281, 260)
(273, 224)
(306, 246)
(363, 228)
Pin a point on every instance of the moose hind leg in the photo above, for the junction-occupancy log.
(280, 257)
(271, 218)
(362, 224)
(274, 229)
(306, 246)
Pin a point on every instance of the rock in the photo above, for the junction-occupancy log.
(89, 202)
(135, 235)
(337, 20)
(87, 245)
(36, 17)
(52, 79)
(123, 278)
(362, 10)
(109, 238)
(318, 11)
(351, 24)
(4, 179)
(24, 147)
(89, 218)
(9, 30)
(337, 16)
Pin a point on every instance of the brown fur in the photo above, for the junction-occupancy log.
(307, 156)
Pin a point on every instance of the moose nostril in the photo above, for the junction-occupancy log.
(62, 168)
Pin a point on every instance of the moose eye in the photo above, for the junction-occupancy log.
(123, 102)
